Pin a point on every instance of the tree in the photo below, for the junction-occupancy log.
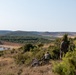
(27, 47)
(65, 37)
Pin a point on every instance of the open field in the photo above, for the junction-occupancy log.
(11, 47)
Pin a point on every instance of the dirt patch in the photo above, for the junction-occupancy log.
(10, 45)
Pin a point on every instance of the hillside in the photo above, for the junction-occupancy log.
(4, 32)
(19, 61)
(22, 33)
(35, 33)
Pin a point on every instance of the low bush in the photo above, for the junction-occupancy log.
(1, 53)
(27, 47)
(67, 66)
(25, 58)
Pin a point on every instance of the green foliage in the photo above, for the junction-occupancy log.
(27, 47)
(55, 53)
(36, 51)
(65, 37)
(25, 39)
(24, 58)
(39, 54)
(1, 53)
(40, 45)
(55, 50)
(20, 59)
(72, 44)
(67, 66)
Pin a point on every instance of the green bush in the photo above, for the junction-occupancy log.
(25, 58)
(55, 52)
(27, 47)
(40, 45)
(1, 53)
(39, 54)
(20, 59)
(67, 66)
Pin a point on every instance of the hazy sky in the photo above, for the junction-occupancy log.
(38, 15)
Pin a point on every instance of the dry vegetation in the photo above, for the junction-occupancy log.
(9, 67)
(10, 45)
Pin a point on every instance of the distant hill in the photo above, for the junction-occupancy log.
(35, 33)
(22, 33)
(4, 32)
(57, 34)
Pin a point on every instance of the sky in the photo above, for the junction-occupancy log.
(38, 15)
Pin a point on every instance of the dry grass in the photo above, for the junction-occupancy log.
(41, 70)
(9, 46)
(9, 67)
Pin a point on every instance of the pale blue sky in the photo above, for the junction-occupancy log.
(38, 15)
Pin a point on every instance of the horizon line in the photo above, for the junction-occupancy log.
(35, 30)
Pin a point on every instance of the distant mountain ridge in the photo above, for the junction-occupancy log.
(34, 33)
(4, 32)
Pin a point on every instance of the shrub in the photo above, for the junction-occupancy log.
(55, 53)
(67, 66)
(25, 58)
(39, 54)
(20, 59)
(55, 50)
(40, 45)
(27, 47)
(1, 53)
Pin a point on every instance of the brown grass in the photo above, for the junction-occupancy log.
(41, 70)
(9, 67)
